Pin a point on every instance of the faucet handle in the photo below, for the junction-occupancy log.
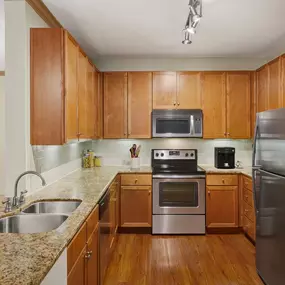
(22, 196)
(8, 203)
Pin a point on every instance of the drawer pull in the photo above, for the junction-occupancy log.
(136, 181)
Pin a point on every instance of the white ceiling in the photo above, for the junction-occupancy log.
(229, 28)
(2, 36)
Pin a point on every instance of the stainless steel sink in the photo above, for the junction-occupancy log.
(65, 207)
(31, 223)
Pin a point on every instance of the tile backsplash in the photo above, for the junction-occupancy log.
(49, 157)
(116, 152)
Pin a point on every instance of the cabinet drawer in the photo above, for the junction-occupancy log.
(135, 179)
(249, 227)
(75, 247)
(247, 183)
(248, 197)
(248, 211)
(216, 179)
(92, 221)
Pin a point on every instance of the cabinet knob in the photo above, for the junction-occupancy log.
(178, 104)
(223, 180)
(228, 134)
(136, 181)
(246, 210)
(174, 103)
(209, 192)
(149, 192)
(225, 134)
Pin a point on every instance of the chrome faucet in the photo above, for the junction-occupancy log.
(16, 200)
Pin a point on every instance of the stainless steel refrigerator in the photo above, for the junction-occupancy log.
(269, 195)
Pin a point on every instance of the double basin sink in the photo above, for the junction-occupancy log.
(39, 217)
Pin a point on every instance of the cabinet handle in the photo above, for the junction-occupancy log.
(209, 192)
(136, 181)
(245, 210)
(223, 180)
(225, 134)
(174, 103)
(88, 254)
(178, 104)
(149, 192)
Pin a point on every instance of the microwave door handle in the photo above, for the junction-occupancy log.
(192, 127)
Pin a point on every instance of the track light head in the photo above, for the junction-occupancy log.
(187, 40)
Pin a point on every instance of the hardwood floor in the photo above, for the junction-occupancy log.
(183, 260)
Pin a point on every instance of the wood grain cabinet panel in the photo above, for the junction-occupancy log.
(222, 206)
(115, 105)
(92, 222)
(92, 258)
(71, 85)
(136, 179)
(98, 102)
(222, 180)
(189, 90)
(249, 227)
(283, 81)
(262, 88)
(136, 206)
(238, 105)
(164, 90)
(139, 104)
(214, 104)
(274, 95)
(77, 275)
(253, 92)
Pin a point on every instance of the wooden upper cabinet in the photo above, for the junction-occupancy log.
(238, 105)
(98, 105)
(214, 104)
(262, 88)
(47, 87)
(188, 90)
(139, 104)
(274, 95)
(115, 105)
(90, 101)
(164, 90)
(222, 206)
(253, 92)
(71, 85)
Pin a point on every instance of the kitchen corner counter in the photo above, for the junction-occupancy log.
(210, 169)
(27, 258)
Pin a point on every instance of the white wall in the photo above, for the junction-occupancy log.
(177, 64)
(2, 36)
(19, 17)
(2, 130)
(116, 152)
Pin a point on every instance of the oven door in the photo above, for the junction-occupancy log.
(178, 196)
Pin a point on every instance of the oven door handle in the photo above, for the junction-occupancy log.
(167, 176)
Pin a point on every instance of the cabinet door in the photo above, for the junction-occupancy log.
(82, 96)
(238, 105)
(98, 85)
(136, 206)
(71, 94)
(164, 90)
(282, 81)
(90, 107)
(274, 95)
(214, 104)
(115, 105)
(92, 263)
(77, 275)
(253, 91)
(189, 90)
(222, 206)
(139, 104)
(47, 90)
(262, 89)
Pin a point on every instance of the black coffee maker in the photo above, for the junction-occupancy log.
(225, 157)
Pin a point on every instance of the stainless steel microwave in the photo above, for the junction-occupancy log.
(177, 124)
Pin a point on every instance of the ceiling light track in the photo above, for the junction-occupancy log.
(194, 17)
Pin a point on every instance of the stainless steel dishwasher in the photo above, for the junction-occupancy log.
(104, 240)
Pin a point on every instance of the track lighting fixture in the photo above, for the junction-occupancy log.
(187, 40)
(194, 17)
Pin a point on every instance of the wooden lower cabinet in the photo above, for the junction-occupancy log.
(222, 206)
(136, 206)
(77, 275)
(82, 254)
(92, 261)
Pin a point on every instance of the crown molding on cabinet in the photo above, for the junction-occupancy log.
(42, 10)
(2, 73)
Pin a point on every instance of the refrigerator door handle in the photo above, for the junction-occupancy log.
(254, 190)
(254, 166)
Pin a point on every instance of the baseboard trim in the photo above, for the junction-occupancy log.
(135, 230)
(224, 230)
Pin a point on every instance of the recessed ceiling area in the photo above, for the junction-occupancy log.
(229, 28)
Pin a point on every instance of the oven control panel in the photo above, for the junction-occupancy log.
(172, 154)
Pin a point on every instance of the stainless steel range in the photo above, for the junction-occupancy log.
(178, 191)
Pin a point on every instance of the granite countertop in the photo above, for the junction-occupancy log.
(211, 169)
(26, 258)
